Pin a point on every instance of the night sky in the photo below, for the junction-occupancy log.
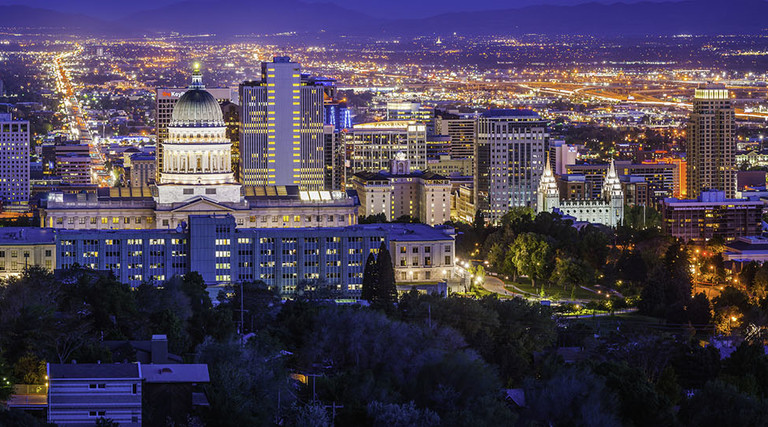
(390, 8)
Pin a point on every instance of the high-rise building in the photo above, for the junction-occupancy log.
(372, 146)
(335, 157)
(509, 159)
(561, 155)
(409, 111)
(14, 161)
(142, 170)
(711, 143)
(165, 100)
(463, 133)
(232, 121)
(281, 128)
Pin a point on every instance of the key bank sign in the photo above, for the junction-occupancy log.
(171, 94)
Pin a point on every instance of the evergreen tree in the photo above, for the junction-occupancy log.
(370, 280)
(386, 291)
(479, 222)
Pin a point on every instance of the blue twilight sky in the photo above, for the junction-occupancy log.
(112, 9)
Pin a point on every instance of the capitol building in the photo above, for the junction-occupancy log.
(197, 179)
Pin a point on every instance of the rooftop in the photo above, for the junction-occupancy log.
(94, 370)
(403, 232)
(176, 373)
(510, 113)
(26, 236)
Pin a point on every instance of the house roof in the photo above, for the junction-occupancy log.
(93, 371)
(176, 373)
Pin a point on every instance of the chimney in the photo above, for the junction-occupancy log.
(159, 348)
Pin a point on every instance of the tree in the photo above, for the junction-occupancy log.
(721, 404)
(532, 256)
(700, 310)
(570, 273)
(370, 280)
(479, 222)
(387, 289)
(401, 415)
(572, 397)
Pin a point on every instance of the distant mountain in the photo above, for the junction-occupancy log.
(250, 17)
(235, 17)
(23, 16)
(689, 16)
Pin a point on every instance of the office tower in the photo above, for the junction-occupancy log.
(335, 156)
(143, 171)
(14, 161)
(74, 168)
(409, 111)
(462, 132)
(561, 155)
(232, 121)
(509, 160)
(281, 128)
(372, 146)
(164, 102)
(711, 143)
(437, 146)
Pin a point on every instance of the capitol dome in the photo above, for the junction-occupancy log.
(197, 107)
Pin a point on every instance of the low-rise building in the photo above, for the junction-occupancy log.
(746, 249)
(422, 195)
(80, 394)
(129, 394)
(223, 254)
(140, 208)
(420, 253)
(711, 215)
(22, 247)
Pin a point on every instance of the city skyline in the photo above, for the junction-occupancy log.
(355, 214)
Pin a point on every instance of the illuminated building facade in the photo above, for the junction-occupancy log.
(463, 133)
(222, 253)
(510, 154)
(711, 152)
(14, 162)
(197, 180)
(607, 210)
(710, 215)
(165, 100)
(22, 247)
(422, 195)
(281, 131)
(372, 146)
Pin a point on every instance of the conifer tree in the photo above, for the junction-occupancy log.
(370, 280)
(387, 289)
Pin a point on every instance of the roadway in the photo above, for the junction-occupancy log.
(77, 119)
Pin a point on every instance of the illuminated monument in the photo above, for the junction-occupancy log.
(607, 210)
(197, 154)
(197, 179)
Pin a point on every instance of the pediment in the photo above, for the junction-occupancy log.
(202, 204)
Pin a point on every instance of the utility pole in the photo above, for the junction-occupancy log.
(314, 376)
(333, 407)
(429, 315)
